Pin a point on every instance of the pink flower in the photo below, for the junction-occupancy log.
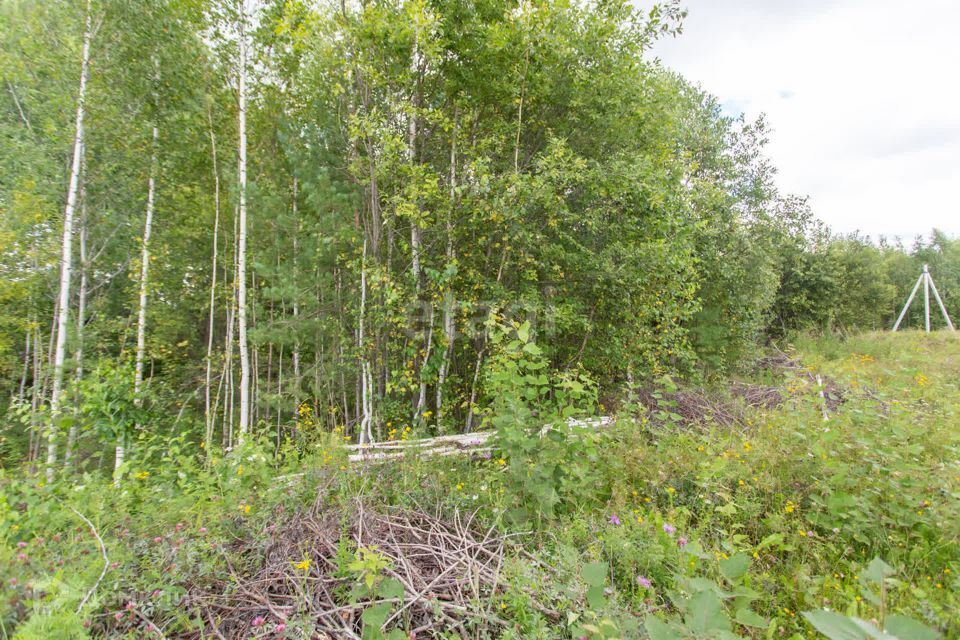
(13, 582)
(644, 582)
(118, 616)
(21, 545)
(179, 526)
(614, 520)
(22, 557)
(202, 529)
(280, 628)
(157, 593)
(258, 621)
(669, 529)
(158, 539)
(130, 606)
(114, 564)
(681, 542)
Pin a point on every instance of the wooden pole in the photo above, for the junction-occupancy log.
(926, 297)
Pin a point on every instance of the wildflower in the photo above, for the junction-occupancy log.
(459, 486)
(142, 475)
(681, 542)
(303, 565)
(130, 606)
(669, 529)
(789, 507)
(280, 628)
(158, 539)
(258, 621)
(502, 461)
(487, 455)
(614, 520)
(202, 529)
(21, 545)
(644, 582)
(22, 557)
(118, 616)
(156, 593)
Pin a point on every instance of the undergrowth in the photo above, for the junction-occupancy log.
(839, 519)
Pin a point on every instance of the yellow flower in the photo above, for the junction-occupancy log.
(789, 506)
(459, 486)
(240, 470)
(142, 475)
(303, 565)
(501, 461)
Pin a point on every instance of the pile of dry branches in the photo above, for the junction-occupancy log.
(448, 568)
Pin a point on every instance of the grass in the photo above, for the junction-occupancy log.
(670, 529)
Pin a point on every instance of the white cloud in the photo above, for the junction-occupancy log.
(862, 96)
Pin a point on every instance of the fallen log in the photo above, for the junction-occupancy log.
(450, 445)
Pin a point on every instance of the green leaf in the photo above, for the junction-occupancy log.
(904, 628)
(749, 618)
(391, 588)
(705, 613)
(595, 573)
(523, 331)
(877, 570)
(834, 626)
(735, 567)
(660, 630)
(376, 615)
(595, 598)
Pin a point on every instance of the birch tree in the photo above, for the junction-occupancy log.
(243, 341)
(66, 256)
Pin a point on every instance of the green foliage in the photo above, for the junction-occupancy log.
(877, 575)
(550, 461)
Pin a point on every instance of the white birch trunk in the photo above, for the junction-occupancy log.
(66, 257)
(142, 304)
(81, 316)
(208, 414)
(449, 303)
(366, 382)
(242, 236)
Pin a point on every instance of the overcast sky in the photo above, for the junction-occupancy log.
(863, 97)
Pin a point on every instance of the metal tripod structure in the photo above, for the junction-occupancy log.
(927, 283)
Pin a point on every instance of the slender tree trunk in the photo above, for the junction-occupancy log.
(242, 237)
(142, 305)
(448, 298)
(415, 239)
(208, 414)
(296, 302)
(26, 363)
(81, 317)
(66, 257)
(35, 391)
(366, 401)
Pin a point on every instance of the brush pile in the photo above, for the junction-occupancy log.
(444, 572)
